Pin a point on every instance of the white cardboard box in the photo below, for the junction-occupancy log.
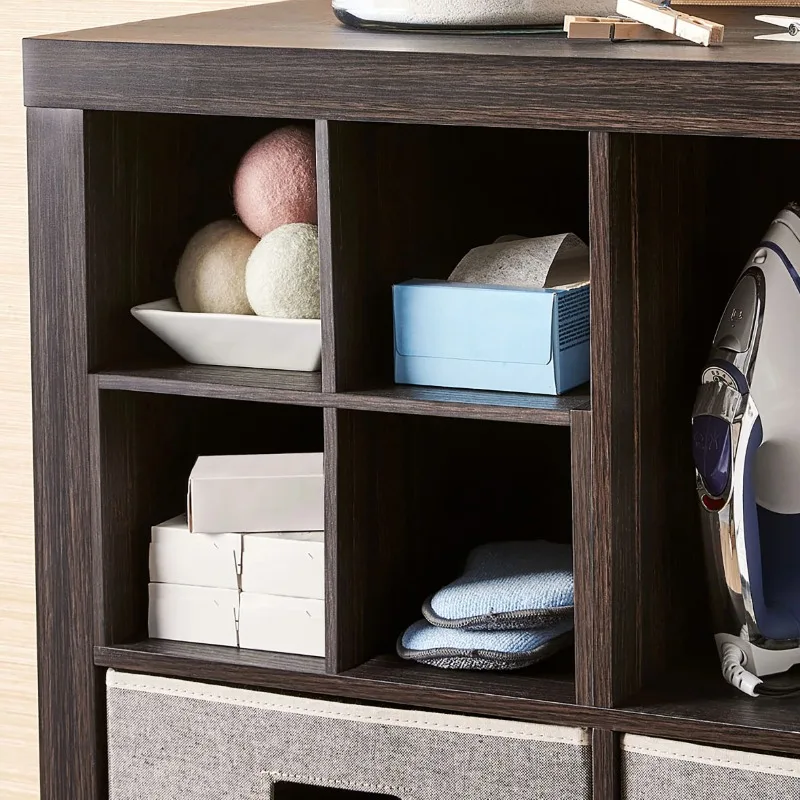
(255, 493)
(193, 614)
(287, 564)
(194, 559)
(282, 624)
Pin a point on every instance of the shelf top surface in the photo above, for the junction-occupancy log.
(310, 25)
(295, 60)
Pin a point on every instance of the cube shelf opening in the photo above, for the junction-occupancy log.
(689, 263)
(414, 496)
(409, 201)
(153, 181)
(143, 450)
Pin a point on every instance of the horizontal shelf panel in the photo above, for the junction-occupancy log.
(229, 383)
(527, 695)
(491, 693)
(506, 406)
(703, 708)
(304, 388)
(204, 661)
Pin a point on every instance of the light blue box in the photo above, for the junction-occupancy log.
(471, 336)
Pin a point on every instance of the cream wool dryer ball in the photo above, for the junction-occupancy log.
(211, 273)
(276, 182)
(283, 273)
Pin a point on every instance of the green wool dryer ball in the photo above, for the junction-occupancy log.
(282, 277)
(211, 272)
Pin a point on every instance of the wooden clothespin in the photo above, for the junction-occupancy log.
(684, 26)
(615, 29)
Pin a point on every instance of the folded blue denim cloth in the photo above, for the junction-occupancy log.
(507, 586)
(448, 648)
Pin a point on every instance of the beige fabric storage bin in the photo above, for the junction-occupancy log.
(661, 769)
(175, 740)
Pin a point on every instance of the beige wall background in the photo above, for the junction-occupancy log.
(20, 18)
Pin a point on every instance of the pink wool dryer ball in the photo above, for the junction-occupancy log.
(276, 182)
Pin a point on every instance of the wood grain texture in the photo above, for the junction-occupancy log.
(68, 689)
(655, 271)
(211, 657)
(680, 276)
(325, 211)
(19, 778)
(369, 560)
(231, 383)
(302, 62)
(617, 620)
(415, 476)
(606, 784)
(341, 646)
(298, 388)
(470, 404)
(583, 556)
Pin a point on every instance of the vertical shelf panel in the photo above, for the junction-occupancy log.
(339, 650)
(583, 555)
(649, 282)
(617, 606)
(606, 774)
(69, 686)
(678, 280)
(325, 171)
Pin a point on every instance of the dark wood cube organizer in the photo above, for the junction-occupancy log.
(425, 147)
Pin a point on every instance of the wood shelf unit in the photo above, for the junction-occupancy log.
(426, 146)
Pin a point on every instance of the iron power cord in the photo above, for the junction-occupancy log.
(736, 675)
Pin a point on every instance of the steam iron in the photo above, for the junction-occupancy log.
(463, 16)
(746, 445)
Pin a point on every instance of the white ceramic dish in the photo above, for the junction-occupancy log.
(235, 340)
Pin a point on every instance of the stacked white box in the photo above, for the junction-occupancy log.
(282, 624)
(289, 564)
(283, 589)
(259, 590)
(194, 614)
(194, 559)
(253, 493)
